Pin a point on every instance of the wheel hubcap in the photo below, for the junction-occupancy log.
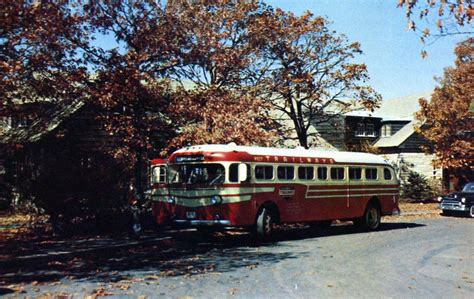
(471, 212)
(372, 217)
(268, 224)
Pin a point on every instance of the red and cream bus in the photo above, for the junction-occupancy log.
(256, 187)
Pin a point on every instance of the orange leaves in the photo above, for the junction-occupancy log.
(449, 17)
(447, 120)
(219, 116)
(311, 75)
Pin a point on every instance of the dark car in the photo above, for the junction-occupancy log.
(459, 202)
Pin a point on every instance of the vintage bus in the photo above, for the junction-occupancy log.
(256, 187)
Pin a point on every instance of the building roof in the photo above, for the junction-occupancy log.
(339, 157)
(402, 108)
(397, 109)
(42, 125)
(398, 138)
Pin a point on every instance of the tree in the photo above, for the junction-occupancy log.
(213, 102)
(128, 87)
(38, 56)
(447, 121)
(450, 17)
(160, 50)
(307, 73)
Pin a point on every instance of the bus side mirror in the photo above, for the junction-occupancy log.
(242, 172)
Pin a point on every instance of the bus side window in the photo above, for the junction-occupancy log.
(263, 172)
(355, 173)
(159, 174)
(322, 173)
(371, 173)
(286, 172)
(306, 172)
(163, 174)
(337, 173)
(234, 173)
(387, 174)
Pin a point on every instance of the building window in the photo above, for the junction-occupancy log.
(305, 173)
(369, 130)
(365, 130)
(360, 129)
(386, 131)
(286, 172)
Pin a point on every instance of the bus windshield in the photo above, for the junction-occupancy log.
(211, 174)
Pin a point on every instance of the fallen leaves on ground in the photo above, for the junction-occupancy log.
(99, 292)
(416, 211)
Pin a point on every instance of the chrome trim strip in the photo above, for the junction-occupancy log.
(350, 195)
(454, 207)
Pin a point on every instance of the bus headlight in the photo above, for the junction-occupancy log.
(216, 200)
(171, 199)
(463, 200)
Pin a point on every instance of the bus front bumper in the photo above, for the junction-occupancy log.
(193, 222)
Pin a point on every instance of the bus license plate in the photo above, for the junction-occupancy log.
(190, 214)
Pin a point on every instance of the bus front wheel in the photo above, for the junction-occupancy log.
(371, 218)
(265, 223)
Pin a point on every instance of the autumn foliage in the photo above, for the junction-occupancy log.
(308, 74)
(448, 18)
(38, 52)
(448, 120)
(159, 75)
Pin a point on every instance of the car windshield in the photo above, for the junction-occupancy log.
(211, 173)
(469, 187)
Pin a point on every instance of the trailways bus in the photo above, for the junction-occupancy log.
(256, 187)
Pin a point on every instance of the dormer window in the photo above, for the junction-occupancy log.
(369, 130)
(365, 130)
(386, 131)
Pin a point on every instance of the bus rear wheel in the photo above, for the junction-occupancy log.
(371, 218)
(265, 224)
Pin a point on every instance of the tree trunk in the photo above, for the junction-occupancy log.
(303, 139)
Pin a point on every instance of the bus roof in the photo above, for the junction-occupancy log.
(337, 156)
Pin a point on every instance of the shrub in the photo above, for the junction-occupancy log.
(81, 198)
(417, 188)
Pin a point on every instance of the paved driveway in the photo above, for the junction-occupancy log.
(430, 258)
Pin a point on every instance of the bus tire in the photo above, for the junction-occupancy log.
(371, 218)
(265, 223)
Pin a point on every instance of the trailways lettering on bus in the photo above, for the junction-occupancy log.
(304, 160)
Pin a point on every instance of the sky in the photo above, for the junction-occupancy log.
(391, 52)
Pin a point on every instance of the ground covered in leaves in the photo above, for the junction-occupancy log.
(30, 256)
